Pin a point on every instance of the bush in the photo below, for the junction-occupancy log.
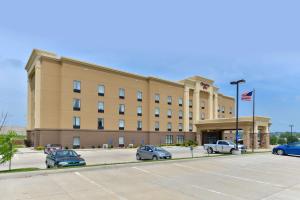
(273, 140)
(27, 143)
(190, 143)
(66, 147)
(292, 138)
(39, 148)
(281, 141)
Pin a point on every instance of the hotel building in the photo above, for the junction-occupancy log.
(78, 104)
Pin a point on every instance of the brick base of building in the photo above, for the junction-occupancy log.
(96, 138)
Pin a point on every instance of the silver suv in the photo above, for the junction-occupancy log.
(152, 153)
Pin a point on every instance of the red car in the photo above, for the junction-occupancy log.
(52, 147)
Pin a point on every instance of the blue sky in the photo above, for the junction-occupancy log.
(222, 40)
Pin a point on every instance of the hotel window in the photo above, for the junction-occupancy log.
(139, 111)
(202, 116)
(100, 107)
(100, 123)
(202, 104)
(169, 139)
(169, 126)
(180, 126)
(139, 125)
(76, 104)
(156, 112)
(180, 139)
(190, 127)
(180, 114)
(190, 103)
(76, 86)
(180, 101)
(169, 113)
(190, 115)
(169, 100)
(121, 109)
(76, 122)
(121, 124)
(230, 110)
(223, 109)
(157, 98)
(101, 90)
(122, 93)
(156, 126)
(219, 108)
(139, 96)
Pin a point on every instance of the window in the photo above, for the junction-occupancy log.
(190, 103)
(100, 123)
(122, 93)
(76, 104)
(169, 100)
(180, 139)
(169, 139)
(169, 113)
(100, 107)
(76, 86)
(139, 96)
(76, 142)
(180, 101)
(190, 115)
(156, 112)
(180, 126)
(139, 111)
(230, 110)
(219, 108)
(180, 114)
(190, 127)
(76, 122)
(157, 98)
(202, 104)
(202, 116)
(101, 90)
(121, 124)
(169, 126)
(156, 126)
(139, 125)
(121, 109)
(223, 109)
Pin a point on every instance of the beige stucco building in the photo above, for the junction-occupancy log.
(78, 104)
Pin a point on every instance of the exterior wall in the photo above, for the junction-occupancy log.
(228, 103)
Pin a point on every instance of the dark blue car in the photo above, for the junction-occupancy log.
(287, 149)
(64, 158)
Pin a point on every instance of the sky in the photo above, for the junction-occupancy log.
(221, 40)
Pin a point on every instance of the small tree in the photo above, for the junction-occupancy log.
(281, 140)
(292, 138)
(273, 140)
(7, 147)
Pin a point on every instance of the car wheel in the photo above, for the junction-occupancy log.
(280, 152)
(138, 157)
(154, 158)
(210, 150)
(231, 150)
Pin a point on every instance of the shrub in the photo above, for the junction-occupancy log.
(292, 138)
(281, 141)
(273, 140)
(66, 147)
(39, 148)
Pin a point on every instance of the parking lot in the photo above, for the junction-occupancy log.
(27, 157)
(256, 176)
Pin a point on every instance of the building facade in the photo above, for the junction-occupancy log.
(78, 104)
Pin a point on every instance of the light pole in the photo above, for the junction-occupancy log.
(237, 109)
(291, 125)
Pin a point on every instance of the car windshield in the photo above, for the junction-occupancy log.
(65, 153)
(158, 149)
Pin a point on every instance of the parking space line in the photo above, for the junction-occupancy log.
(274, 194)
(230, 176)
(100, 186)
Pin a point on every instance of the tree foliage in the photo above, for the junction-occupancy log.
(281, 140)
(7, 147)
(273, 140)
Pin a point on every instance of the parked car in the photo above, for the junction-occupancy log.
(64, 158)
(52, 147)
(287, 149)
(152, 152)
(223, 146)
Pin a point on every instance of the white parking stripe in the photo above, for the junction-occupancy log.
(194, 186)
(277, 193)
(100, 186)
(230, 176)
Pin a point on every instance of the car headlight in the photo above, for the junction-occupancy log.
(62, 163)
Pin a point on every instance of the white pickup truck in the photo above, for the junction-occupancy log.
(223, 146)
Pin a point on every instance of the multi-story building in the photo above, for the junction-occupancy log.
(78, 104)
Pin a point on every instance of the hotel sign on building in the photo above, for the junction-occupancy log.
(79, 104)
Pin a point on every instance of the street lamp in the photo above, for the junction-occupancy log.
(291, 125)
(237, 109)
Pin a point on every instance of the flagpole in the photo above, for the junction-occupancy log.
(253, 124)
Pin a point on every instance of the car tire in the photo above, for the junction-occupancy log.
(138, 157)
(210, 150)
(280, 152)
(231, 150)
(154, 158)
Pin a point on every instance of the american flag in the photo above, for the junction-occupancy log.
(247, 96)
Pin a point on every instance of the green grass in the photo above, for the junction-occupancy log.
(20, 170)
